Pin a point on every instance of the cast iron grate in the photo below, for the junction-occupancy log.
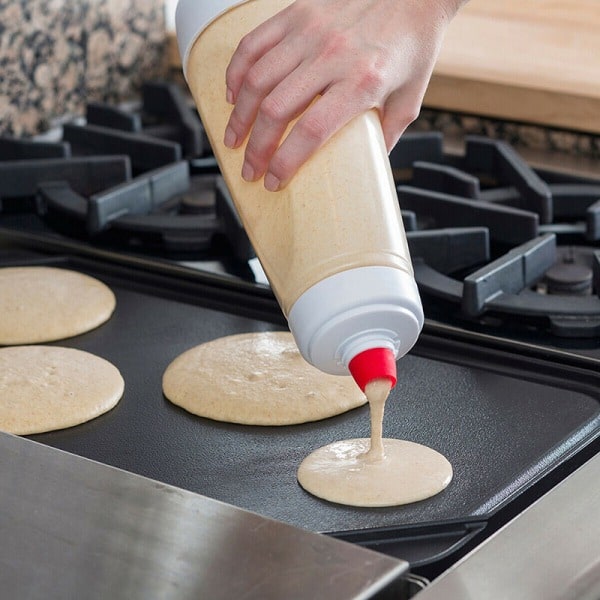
(139, 179)
(493, 241)
(497, 243)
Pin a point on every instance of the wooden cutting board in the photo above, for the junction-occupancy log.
(536, 61)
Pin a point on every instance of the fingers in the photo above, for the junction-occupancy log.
(323, 85)
(402, 107)
(280, 107)
(320, 121)
(400, 110)
(283, 105)
(250, 49)
(258, 83)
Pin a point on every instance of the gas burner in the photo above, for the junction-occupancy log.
(140, 179)
(571, 275)
(494, 242)
(150, 213)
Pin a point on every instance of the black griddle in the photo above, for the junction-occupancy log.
(510, 422)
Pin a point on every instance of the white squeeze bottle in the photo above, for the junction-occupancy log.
(331, 243)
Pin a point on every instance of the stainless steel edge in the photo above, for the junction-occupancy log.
(74, 528)
(551, 551)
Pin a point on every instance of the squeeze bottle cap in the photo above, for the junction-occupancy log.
(374, 363)
(356, 310)
(192, 17)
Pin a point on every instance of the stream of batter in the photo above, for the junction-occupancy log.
(377, 392)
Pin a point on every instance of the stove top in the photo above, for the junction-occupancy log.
(498, 247)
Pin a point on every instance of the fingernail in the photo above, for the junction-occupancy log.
(230, 138)
(229, 96)
(247, 172)
(271, 182)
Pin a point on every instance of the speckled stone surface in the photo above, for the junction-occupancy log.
(57, 54)
(520, 135)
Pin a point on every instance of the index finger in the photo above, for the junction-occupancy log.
(253, 46)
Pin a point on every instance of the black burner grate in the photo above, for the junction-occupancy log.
(495, 242)
(139, 179)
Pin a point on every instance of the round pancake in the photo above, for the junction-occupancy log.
(344, 473)
(256, 379)
(44, 304)
(43, 388)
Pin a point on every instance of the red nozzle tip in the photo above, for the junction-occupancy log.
(374, 363)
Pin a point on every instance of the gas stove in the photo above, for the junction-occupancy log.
(498, 247)
(506, 373)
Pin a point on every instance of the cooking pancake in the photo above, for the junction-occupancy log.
(256, 379)
(374, 472)
(342, 472)
(44, 304)
(43, 388)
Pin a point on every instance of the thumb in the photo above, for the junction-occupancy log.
(401, 108)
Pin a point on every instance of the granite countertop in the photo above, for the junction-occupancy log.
(56, 55)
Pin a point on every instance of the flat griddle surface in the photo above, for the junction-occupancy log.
(500, 431)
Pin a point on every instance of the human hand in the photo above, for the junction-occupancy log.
(327, 61)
